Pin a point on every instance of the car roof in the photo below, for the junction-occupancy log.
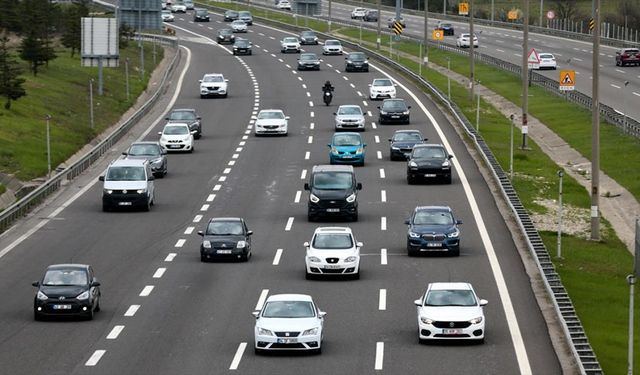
(348, 105)
(214, 74)
(332, 168)
(67, 266)
(225, 219)
(407, 131)
(155, 143)
(176, 123)
(426, 145)
(433, 208)
(128, 163)
(308, 54)
(289, 297)
(271, 110)
(183, 110)
(332, 230)
(347, 133)
(450, 286)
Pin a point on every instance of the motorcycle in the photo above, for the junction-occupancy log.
(327, 97)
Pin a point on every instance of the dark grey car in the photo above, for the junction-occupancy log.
(151, 151)
(226, 36)
(226, 238)
(429, 162)
(308, 61)
(187, 116)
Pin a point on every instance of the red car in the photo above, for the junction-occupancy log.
(628, 56)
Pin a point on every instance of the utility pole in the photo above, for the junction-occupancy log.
(631, 279)
(140, 44)
(426, 33)
(472, 66)
(541, 7)
(329, 23)
(525, 74)
(595, 127)
(379, 30)
(48, 118)
(559, 238)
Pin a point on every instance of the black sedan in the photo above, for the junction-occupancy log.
(356, 61)
(226, 238)
(433, 230)
(226, 36)
(308, 37)
(308, 61)
(429, 162)
(242, 47)
(230, 15)
(394, 111)
(151, 151)
(67, 290)
(201, 15)
(446, 27)
(402, 143)
(188, 116)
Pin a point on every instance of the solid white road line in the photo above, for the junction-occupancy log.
(383, 195)
(289, 224)
(379, 355)
(146, 291)
(383, 223)
(379, 154)
(261, 299)
(197, 218)
(382, 301)
(381, 172)
(636, 94)
(180, 242)
(303, 175)
(276, 259)
(238, 356)
(115, 332)
(211, 197)
(616, 86)
(189, 230)
(132, 310)
(170, 257)
(383, 256)
(159, 272)
(95, 357)
(297, 198)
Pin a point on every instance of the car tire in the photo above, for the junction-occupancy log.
(411, 180)
(147, 206)
(361, 164)
(356, 276)
(366, 70)
(411, 252)
(354, 217)
(447, 180)
(37, 316)
(311, 218)
(318, 351)
(203, 258)
(257, 351)
(89, 315)
(421, 341)
(97, 309)
(246, 257)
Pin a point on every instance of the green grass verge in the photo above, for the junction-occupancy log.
(62, 91)
(2, 189)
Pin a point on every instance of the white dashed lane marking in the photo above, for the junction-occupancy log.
(170, 257)
(383, 256)
(379, 154)
(222, 178)
(381, 172)
(132, 310)
(217, 187)
(289, 224)
(307, 155)
(377, 139)
(95, 358)
(310, 140)
(276, 258)
(159, 272)
(180, 242)
(204, 207)
(379, 355)
(383, 195)
(146, 291)
(261, 299)
(115, 332)
(211, 197)
(189, 230)
(197, 218)
(383, 223)
(297, 197)
(236, 358)
(303, 175)
(382, 302)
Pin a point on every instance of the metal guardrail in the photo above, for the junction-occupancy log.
(38, 195)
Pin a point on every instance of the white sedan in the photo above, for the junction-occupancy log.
(290, 44)
(382, 88)
(271, 121)
(450, 311)
(284, 4)
(333, 251)
(177, 137)
(178, 8)
(463, 41)
(547, 61)
(213, 84)
(238, 26)
(332, 47)
(358, 13)
(289, 322)
(167, 16)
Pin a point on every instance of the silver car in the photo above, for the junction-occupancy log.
(349, 117)
(238, 26)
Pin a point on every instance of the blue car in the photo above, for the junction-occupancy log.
(433, 230)
(346, 148)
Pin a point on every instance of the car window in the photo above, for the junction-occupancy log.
(450, 298)
(288, 309)
(433, 218)
(546, 56)
(242, 43)
(382, 82)
(357, 56)
(144, 150)
(166, 12)
(225, 32)
(332, 43)
(407, 137)
(429, 153)
(182, 115)
(290, 40)
(332, 180)
(394, 105)
(347, 140)
(244, 14)
(65, 278)
(351, 110)
(308, 57)
(175, 130)
(270, 115)
(334, 241)
(308, 33)
(125, 174)
(213, 79)
(225, 228)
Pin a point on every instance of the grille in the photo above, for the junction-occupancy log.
(270, 126)
(332, 203)
(339, 270)
(451, 324)
(287, 334)
(287, 346)
(174, 141)
(332, 260)
(433, 237)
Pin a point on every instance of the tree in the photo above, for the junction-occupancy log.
(9, 19)
(72, 27)
(566, 9)
(35, 51)
(10, 81)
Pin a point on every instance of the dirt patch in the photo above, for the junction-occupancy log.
(575, 221)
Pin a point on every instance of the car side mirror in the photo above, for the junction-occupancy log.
(199, 117)
(458, 221)
(124, 153)
(306, 186)
(358, 244)
(407, 222)
(390, 140)
(306, 244)
(408, 156)
(364, 145)
(287, 117)
(198, 81)
(483, 302)
(194, 131)
(200, 233)
(249, 232)
(167, 118)
(256, 314)
(150, 178)
(321, 314)
(369, 85)
(101, 178)
(226, 80)
(159, 133)
(409, 107)
(425, 139)
(163, 152)
(450, 156)
(359, 186)
(417, 302)
(95, 283)
(378, 107)
(36, 283)
(329, 144)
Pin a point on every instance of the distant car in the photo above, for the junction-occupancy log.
(177, 136)
(153, 152)
(628, 56)
(225, 238)
(189, 4)
(464, 41)
(433, 230)
(333, 251)
(290, 44)
(429, 162)
(450, 311)
(332, 47)
(347, 148)
(167, 16)
(246, 17)
(403, 142)
(226, 36)
(308, 61)
(271, 121)
(164, 5)
(392, 20)
(382, 88)
(394, 111)
(189, 116)
(547, 61)
(356, 61)
(308, 37)
(213, 84)
(349, 117)
(238, 26)
(178, 8)
(65, 290)
(370, 15)
(230, 15)
(446, 27)
(358, 13)
(242, 47)
(284, 4)
(201, 15)
(289, 322)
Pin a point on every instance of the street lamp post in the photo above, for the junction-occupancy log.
(426, 35)
(525, 75)
(48, 118)
(329, 22)
(449, 78)
(512, 118)
(126, 76)
(631, 279)
(471, 47)
(624, 105)
(541, 7)
(595, 126)
(478, 109)
(91, 102)
(378, 39)
(559, 240)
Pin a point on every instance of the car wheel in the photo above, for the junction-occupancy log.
(37, 316)
(361, 164)
(311, 218)
(421, 341)
(203, 258)
(447, 180)
(147, 206)
(356, 276)
(367, 70)
(191, 150)
(411, 252)
(411, 180)
(318, 351)
(97, 309)
(198, 136)
(380, 121)
(354, 217)
(89, 315)
(246, 257)
(202, 96)
(258, 351)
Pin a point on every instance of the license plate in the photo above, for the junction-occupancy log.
(62, 307)
(429, 175)
(434, 244)
(174, 146)
(347, 157)
(395, 116)
(451, 331)
(332, 266)
(124, 203)
(223, 251)
(287, 341)
(333, 210)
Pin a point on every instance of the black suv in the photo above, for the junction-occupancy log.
(433, 229)
(226, 238)
(333, 191)
(402, 143)
(201, 15)
(230, 15)
(429, 162)
(226, 36)
(394, 111)
(242, 47)
(356, 61)
(187, 116)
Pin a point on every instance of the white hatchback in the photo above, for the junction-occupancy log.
(547, 61)
(333, 251)
(358, 13)
(450, 311)
(271, 121)
(284, 4)
(464, 41)
(382, 88)
(177, 137)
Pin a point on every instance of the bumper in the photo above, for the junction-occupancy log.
(201, 19)
(422, 246)
(208, 93)
(392, 118)
(322, 268)
(430, 332)
(62, 308)
(439, 174)
(287, 49)
(177, 146)
(223, 41)
(382, 95)
(239, 30)
(346, 159)
(309, 67)
(313, 342)
(348, 210)
(350, 125)
(245, 51)
(275, 131)
(315, 42)
(229, 254)
(357, 68)
(447, 32)
(125, 200)
(332, 52)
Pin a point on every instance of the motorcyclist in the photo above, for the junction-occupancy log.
(327, 93)
(327, 87)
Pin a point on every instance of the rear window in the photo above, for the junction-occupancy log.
(632, 51)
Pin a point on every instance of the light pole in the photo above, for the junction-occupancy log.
(525, 74)
(559, 240)
(624, 105)
(91, 102)
(513, 125)
(126, 76)
(471, 47)
(329, 23)
(492, 11)
(48, 118)
(426, 35)
(595, 127)
(478, 110)
(378, 40)
(631, 279)
(449, 78)
(541, 7)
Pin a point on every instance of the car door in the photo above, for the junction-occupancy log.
(94, 291)
(246, 235)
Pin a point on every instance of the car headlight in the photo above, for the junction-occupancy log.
(414, 234)
(163, 139)
(42, 296)
(334, 150)
(316, 63)
(186, 139)
(141, 191)
(349, 62)
(360, 150)
(83, 296)
(310, 332)
(264, 332)
(351, 259)
(426, 320)
(476, 320)
(405, 112)
(234, 47)
(454, 234)
(156, 161)
(446, 163)
(313, 198)
(383, 112)
(413, 164)
(206, 244)
(395, 148)
(241, 244)
(314, 259)
(107, 191)
(351, 198)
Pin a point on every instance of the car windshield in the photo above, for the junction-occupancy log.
(125, 174)
(447, 25)
(350, 110)
(176, 130)
(68, 277)
(347, 140)
(332, 180)
(290, 40)
(231, 13)
(202, 12)
(242, 43)
(402, 137)
(213, 79)
(429, 153)
(225, 32)
(288, 309)
(270, 115)
(394, 105)
(182, 115)
(332, 43)
(166, 12)
(244, 14)
(450, 298)
(433, 218)
(308, 57)
(225, 228)
(359, 56)
(332, 241)
(144, 150)
(308, 34)
(382, 82)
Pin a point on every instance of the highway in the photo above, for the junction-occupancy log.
(165, 312)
